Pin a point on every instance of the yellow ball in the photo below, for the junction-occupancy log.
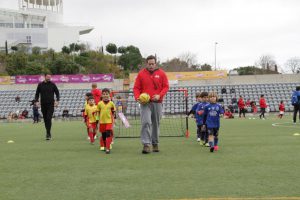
(144, 98)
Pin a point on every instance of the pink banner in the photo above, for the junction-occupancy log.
(78, 78)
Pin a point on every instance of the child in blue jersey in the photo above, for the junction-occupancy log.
(198, 100)
(193, 110)
(201, 126)
(212, 113)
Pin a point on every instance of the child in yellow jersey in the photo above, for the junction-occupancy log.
(91, 112)
(106, 109)
(86, 98)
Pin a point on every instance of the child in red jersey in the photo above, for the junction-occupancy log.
(228, 114)
(263, 106)
(241, 105)
(281, 109)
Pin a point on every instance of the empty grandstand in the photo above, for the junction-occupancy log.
(72, 99)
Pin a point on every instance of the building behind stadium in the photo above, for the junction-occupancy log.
(38, 23)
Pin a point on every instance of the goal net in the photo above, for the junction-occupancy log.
(174, 122)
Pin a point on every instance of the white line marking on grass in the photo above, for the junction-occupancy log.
(285, 124)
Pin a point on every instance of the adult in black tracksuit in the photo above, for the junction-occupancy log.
(47, 89)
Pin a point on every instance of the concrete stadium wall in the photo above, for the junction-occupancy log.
(116, 85)
(253, 79)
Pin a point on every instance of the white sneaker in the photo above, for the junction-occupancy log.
(198, 139)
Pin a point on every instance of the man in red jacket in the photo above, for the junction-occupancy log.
(154, 82)
(263, 106)
(96, 93)
(241, 105)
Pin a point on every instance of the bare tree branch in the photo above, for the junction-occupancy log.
(293, 64)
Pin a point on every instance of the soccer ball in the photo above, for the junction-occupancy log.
(144, 98)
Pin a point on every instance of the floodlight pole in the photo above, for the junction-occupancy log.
(216, 56)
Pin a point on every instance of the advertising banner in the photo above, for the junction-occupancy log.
(196, 75)
(78, 78)
(5, 80)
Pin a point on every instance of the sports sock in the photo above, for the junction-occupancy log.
(211, 143)
(206, 136)
(216, 141)
(91, 136)
(102, 140)
(108, 142)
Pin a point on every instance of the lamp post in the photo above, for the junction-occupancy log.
(216, 56)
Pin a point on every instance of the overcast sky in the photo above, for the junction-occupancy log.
(244, 29)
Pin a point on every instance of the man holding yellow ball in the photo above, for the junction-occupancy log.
(150, 87)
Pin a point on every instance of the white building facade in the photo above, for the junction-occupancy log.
(38, 23)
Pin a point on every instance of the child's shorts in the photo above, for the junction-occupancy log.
(213, 131)
(105, 127)
(92, 125)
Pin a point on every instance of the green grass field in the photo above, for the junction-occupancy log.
(255, 160)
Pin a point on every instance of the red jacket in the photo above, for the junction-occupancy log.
(241, 103)
(151, 83)
(262, 103)
(281, 107)
(96, 94)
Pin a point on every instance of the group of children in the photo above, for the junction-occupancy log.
(100, 115)
(207, 113)
(262, 104)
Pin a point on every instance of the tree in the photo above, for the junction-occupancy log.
(122, 50)
(16, 64)
(66, 50)
(63, 65)
(34, 68)
(248, 70)
(72, 47)
(77, 48)
(111, 48)
(206, 67)
(36, 50)
(131, 59)
(14, 48)
(266, 62)
(189, 58)
(175, 65)
(23, 49)
(253, 70)
(83, 47)
(293, 64)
